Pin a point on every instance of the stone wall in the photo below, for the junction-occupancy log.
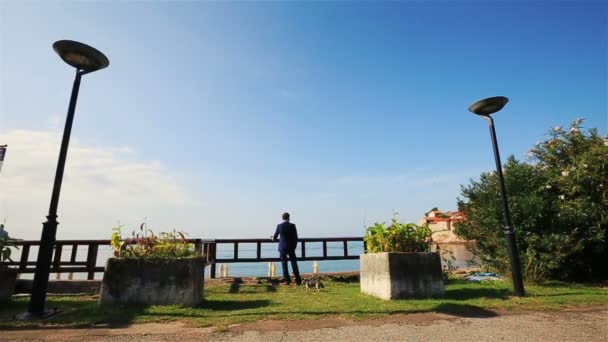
(401, 275)
(153, 281)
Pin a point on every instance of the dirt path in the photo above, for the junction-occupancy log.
(587, 324)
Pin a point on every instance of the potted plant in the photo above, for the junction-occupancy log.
(153, 268)
(398, 263)
(8, 276)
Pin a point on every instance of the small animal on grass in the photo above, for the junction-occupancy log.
(311, 284)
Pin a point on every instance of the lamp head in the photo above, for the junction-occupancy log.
(81, 56)
(489, 105)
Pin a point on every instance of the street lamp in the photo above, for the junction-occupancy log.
(485, 108)
(85, 59)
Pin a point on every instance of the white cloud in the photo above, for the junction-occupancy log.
(105, 185)
(100, 187)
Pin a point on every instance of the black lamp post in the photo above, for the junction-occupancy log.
(485, 108)
(85, 59)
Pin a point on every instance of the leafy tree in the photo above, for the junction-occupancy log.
(559, 207)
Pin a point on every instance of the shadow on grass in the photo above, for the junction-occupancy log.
(461, 310)
(468, 293)
(470, 311)
(234, 287)
(108, 317)
(73, 314)
(228, 305)
(92, 316)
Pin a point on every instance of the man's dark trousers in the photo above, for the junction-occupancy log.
(287, 246)
(294, 265)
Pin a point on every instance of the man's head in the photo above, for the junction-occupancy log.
(286, 216)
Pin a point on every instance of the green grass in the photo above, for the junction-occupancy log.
(225, 305)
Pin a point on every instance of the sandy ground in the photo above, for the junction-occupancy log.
(582, 324)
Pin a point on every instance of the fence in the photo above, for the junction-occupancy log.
(73, 265)
(236, 243)
(208, 248)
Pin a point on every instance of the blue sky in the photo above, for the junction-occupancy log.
(337, 112)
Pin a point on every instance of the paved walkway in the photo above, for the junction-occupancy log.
(589, 324)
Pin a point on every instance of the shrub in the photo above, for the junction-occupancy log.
(146, 244)
(398, 237)
(559, 206)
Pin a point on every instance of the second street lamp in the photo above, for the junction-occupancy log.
(85, 59)
(485, 108)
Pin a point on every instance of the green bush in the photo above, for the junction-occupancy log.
(398, 237)
(559, 208)
(146, 244)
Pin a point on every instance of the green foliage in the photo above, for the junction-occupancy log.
(146, 244)
(448, 259)
(398, 237)
(559, 208)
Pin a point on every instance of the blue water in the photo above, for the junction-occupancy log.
(260, 269)
(270, 250)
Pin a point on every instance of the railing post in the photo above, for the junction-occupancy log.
(74, 251)
(25, 253)
(345, 248)
(236, 250)
(303, 249)
(212, 253)
(92, 261)
(198, 246)
(259, 250)
(57, 260)
(324, 249)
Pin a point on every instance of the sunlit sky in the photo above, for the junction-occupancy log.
(214, 118)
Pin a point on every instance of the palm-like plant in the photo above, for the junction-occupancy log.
(398, 237)
(146, 244)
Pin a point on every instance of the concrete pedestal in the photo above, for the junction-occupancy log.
(153, 281)
(8, 276)
(401, 275)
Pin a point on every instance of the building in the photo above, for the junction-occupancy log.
(440, 221)
(454, 252)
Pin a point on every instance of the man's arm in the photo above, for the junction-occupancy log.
(295, 233)
(276, 233)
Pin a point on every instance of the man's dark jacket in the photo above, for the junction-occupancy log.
(289, 236)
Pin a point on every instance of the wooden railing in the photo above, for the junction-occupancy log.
(208, 248)
(236, 243)
(74, 265)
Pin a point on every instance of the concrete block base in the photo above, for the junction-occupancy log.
(153, 281)
(401, 275)
(8, 276)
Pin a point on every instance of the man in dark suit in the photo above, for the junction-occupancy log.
(287, 247)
